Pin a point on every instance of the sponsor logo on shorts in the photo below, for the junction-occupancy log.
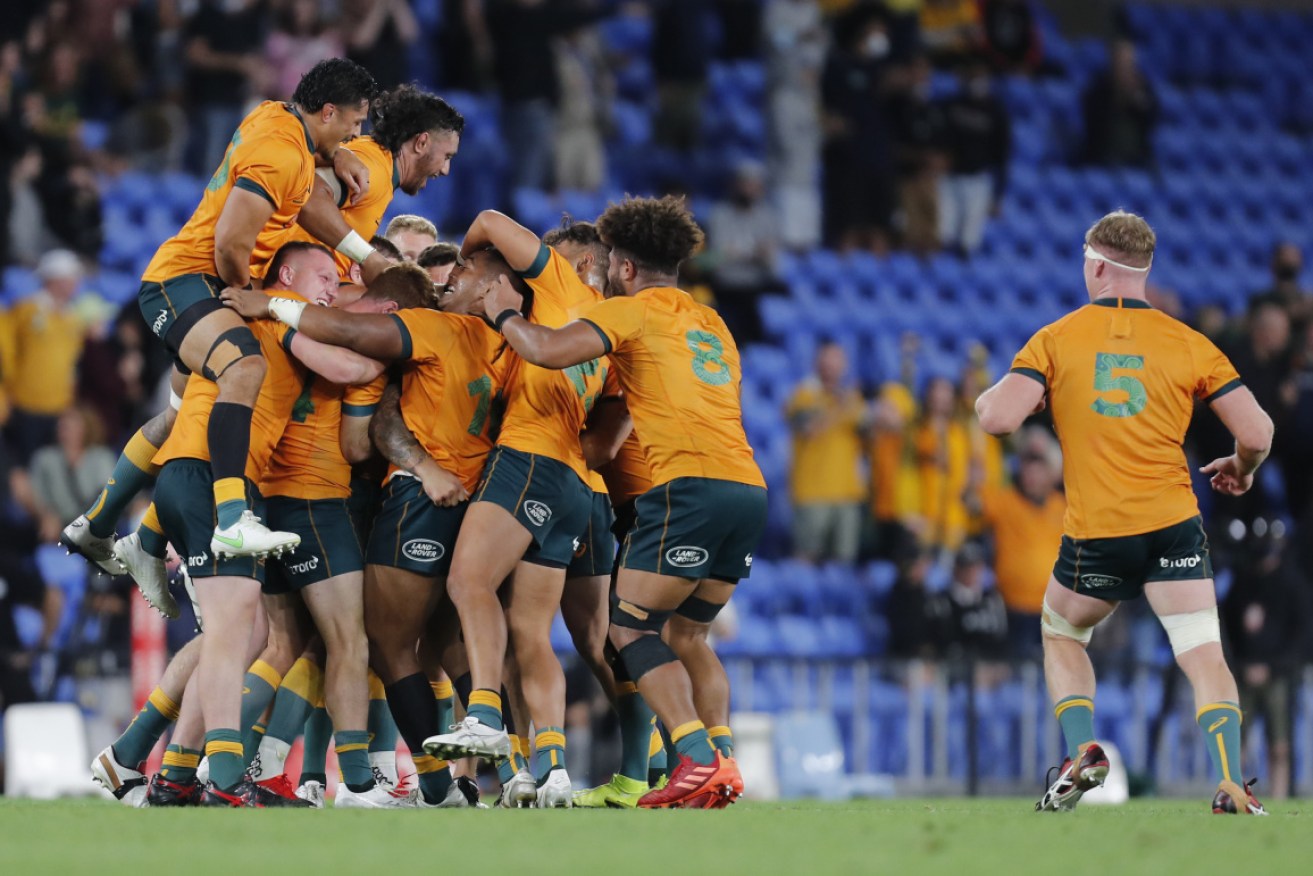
(159, 322)
(537, 512)
(580, 548)
(747, 561)
(686, 556)
(301, 568)
(1100, 582)
(198, 560)
(423, 550)
(1181, 563)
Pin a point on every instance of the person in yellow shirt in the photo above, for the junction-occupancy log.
(828, 419)
(700, 523)
(39, 354)
(1025, 521)
(943, 458)
(895, 486)
(1122, 380)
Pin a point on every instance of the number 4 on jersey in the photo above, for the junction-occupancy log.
(1137, 398)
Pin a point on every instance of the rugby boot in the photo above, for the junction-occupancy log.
(248, 537)
(149, 573)
(127, 784)
(470, 738)
(1076, 777)
(77, 539)
(1224, 801)
(162, 792)
(693, 785)
(556, 791)
(278, 793)
(621, 792)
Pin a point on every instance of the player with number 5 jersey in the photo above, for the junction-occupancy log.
(1122, 380)
(700, 522)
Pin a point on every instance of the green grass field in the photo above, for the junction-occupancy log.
(916, 836)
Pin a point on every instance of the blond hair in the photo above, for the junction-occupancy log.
(412, 223)
(1124, 237)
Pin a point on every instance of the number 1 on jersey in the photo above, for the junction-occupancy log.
(1137, 398)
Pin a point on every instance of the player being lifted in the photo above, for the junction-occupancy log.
(264, 181)
(1122, 379)
(699, 524)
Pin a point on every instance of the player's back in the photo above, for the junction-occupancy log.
(271, 155)
(680, 370)
(308, 461)
(1122, 382)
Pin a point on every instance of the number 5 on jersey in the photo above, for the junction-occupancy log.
(1104, 365)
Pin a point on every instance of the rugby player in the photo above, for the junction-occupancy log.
(438, 260)
(411, 235)
(532, 504)
(697, 526)
(1122, 379)
(265, 179)
(457, 368)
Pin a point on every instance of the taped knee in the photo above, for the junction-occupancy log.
(1192, 629)
(635, 617)
(699, 610)
(1054, 624)
(228, 348)
(644, 654)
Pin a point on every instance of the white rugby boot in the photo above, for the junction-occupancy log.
(77, 539)
(128, 785)
(377, 797)
(521, 792)
(556, 792)
(470, 738)
(248, 537)
(313, 793)
(149, 573)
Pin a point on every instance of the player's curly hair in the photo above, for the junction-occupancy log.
(406, 111)
(570, 231)
(336, 81)
(656, 233)
(404, 283)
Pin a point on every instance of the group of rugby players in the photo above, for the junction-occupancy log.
(445, 445)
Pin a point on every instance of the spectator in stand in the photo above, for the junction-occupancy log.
(1298, 467)
(411, 235)
(1287, 265)
(1264, 362)
(978, 140)
(740, 28)
(1011, 36)
(909, 606)
(1121, 111)
(827, 418)
(859, 171)
(583, 113)
(969, 619)
(919, 123)
(681, 53)
(743, 238)
(1265, 615)
(943, 457)
(438, 261)
(950, 30)
(1025, 522)
(524, 66)
(895, 505)
(21, 584)
(795, 54)
(69, 474)
(379, 36)
(300, 39)
(221, 44)
(40, 344)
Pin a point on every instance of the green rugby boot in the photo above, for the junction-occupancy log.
(621, 792)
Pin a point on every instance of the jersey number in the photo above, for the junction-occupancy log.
(482, 390)
(304, 408)
(221, 175)
(707, 351)
(1104, 365)
(579, 375)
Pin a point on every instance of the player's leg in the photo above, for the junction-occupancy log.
(442, 654)
(301, 689)
(687, 635)
(519, 788)
(314, 756)
(142, 556)
(534, 595)
(92, 534)
(490, 545)
(119, 767)
(176, 783)
(289, 630)
(383, 732)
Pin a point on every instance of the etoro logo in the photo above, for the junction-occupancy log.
(424, 550)
(159, 322)
(198, 560)
(686, 556)
(537, 512)
(301, 568)
(1180, 563)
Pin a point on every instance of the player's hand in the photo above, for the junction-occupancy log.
(1040, 405)
(502, 296)
(353, 173)
(1228, 477)
(442, 487)
(247, 302)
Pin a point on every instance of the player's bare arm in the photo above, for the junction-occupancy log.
(244, 215)
(1005, 406)
(353, 438)
(322, 218)
(335, 364)
(350, 170)
(517, 244)
(550, 348)
(607, 428)
(373, 335)
(399, 447)
(1252, 429)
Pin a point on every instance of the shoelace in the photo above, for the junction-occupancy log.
(282, 786)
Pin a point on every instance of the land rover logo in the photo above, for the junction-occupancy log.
(685, 556)
(1100, 582)
(423, 550)
(537, 512)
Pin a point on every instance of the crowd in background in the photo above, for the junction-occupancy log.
(862, 154)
